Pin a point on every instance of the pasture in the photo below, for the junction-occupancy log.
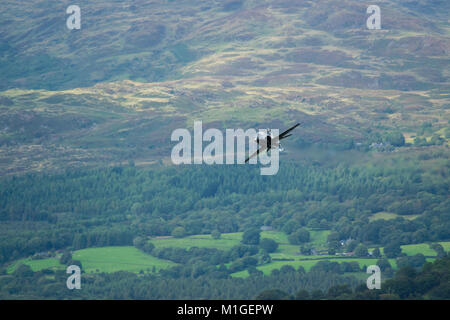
(104, 259)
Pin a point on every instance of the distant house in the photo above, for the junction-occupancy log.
(266, 228)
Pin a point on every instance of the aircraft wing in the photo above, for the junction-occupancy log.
(285, 134)
(281, 136)
(262, 149)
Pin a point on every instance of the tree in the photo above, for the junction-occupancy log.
(333, 236)
(324, 224)
(148, 247)
(287, 269)
(268, 245)
(436, 140)
(418, 141)
(249, 261)
(66, 257)
(441, 292)
(439, 249)
(179, 232)
(384, 264)
(243, 263)
(273, 294)
(251, 236)
(306, 250)
(392, 250)
(352, 246)
(302, 294)
(395, 138)
(376, 253)
(299, 236)
(253, 271)
(402, 284)
(215, 234)
(339, 290)
(317, 295)
(23, 270)
(139, 242)
(264, 258)
(415, 261)
(334, 246)
(361, 251)
(136, 207)
(76, 263)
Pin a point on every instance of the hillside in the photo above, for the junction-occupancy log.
(115, 89)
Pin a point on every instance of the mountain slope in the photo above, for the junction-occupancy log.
(136, 70)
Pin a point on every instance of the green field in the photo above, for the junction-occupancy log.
(226, 241)
(111, 259)
(37, 265)
(424, 248)
(105, 259)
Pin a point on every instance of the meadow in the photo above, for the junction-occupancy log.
(105, 259)
(423, 248)
(37, 265)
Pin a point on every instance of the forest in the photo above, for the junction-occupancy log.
(100, 207)
(128, 205)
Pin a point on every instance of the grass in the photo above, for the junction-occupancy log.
(37, 265)
(226, 241)
(104, 259)
(423, 248)
(112, 259)
(288, 251)
(240, 274)
(446, 245)
(279, 237)
(319, 239)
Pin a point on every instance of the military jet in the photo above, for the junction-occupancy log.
(268, 141)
